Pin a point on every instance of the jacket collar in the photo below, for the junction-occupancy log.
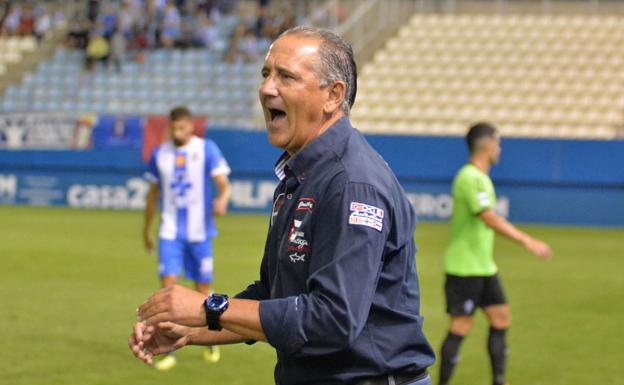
(321, 148)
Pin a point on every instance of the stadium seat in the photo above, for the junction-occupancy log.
(533, 75)
(27, 44)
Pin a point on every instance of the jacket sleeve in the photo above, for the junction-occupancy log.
(349, 236)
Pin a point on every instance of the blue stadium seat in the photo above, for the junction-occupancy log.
(51, 105)
(130, 67)
(8, 104)
(11, 91)
(98, 106)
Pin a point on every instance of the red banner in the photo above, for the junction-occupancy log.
(156, 131)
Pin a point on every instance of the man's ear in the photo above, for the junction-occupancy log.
(337, 92)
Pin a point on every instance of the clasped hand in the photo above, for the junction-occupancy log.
(166, 322)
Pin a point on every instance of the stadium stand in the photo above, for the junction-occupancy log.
(225, 92)
(29, 32)
(13, 48)
(533, 75)
(217, 76)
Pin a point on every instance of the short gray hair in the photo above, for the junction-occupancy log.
(337, 61)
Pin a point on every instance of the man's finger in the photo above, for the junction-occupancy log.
(154, 304)
(146, 356)
(180, 343)
(169, 329)
(138, 330)
(136, 349)
(167, 325)
(134, 341)
(133, 344)
(148, 333)
(147, 336)
(156, 318)
(152, 308)
(155, 298)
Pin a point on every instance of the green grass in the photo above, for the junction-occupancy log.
(71, 279)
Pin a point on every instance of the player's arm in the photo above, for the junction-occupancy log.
(505, 228)
(220, 202)
(219, 171)
(151, 202)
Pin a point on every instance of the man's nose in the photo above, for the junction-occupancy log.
(267, 88)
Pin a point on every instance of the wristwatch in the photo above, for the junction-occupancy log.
(214, 306)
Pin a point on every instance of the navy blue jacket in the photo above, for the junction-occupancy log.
(338, 287)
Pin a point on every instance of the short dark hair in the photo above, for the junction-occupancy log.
(477, 132)
(179, 112)
(336, 60)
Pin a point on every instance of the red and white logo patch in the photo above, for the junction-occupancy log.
(305, 204)
(366, 215)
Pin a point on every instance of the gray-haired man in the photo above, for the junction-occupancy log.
(338, 296)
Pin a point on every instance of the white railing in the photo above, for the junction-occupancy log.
(367, 27)
(372, 21)
(528, 6)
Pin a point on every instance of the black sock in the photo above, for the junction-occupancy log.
(497, 347)
(450, 356)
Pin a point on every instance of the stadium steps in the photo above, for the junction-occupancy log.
(226, 93)
(532, 75)
(56, 81)
(371, 23)
(27, 53)
(27, 59)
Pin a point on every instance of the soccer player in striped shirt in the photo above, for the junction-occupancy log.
(181, 172)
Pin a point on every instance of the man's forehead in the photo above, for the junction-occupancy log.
(292, 46)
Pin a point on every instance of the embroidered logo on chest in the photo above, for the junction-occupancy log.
(366, 215)
(296, 238)
(297, 257)
(299, 234)
(305, 204)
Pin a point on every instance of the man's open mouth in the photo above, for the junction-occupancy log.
(276, 113)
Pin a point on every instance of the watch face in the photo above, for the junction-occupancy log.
(218, 302)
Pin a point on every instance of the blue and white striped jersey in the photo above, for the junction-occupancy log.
(184, 177)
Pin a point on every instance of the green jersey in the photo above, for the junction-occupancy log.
(471, 250)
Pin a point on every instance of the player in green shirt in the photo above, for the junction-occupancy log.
(471, 275)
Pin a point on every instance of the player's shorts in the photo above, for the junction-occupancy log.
(196, 257)
(465, 294)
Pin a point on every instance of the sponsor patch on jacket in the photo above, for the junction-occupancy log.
(366, 215)
(297, 257)
(296, 238)
(305, 204)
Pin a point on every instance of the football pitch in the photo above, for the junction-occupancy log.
(71, 280)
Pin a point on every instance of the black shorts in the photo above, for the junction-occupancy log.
(465, 294)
